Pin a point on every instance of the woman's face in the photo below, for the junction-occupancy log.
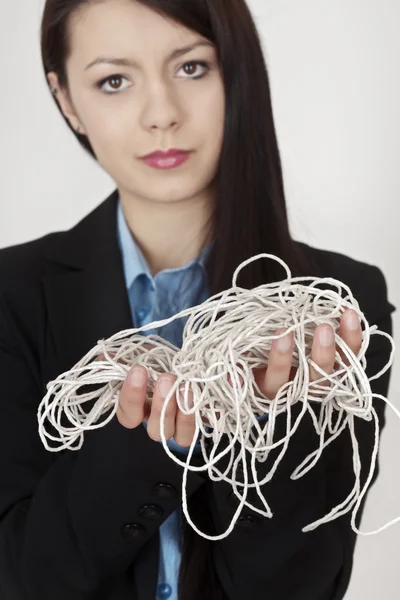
(147, 100)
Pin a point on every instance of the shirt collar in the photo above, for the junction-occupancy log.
(133, 260)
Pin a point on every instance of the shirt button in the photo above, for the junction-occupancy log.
(142, 313)
(164, 590)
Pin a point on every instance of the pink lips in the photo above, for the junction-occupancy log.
(166, 160)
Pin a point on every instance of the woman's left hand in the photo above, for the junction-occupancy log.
(279, 370)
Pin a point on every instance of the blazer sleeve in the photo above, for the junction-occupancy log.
(273, 557)
(70, 522)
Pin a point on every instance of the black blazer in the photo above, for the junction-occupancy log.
(72, 524)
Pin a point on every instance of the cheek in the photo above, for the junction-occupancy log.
(206, 105)
(215, 126)
(106, 128)
(108, 136)
(214, 116)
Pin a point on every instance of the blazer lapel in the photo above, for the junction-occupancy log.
(85, 287)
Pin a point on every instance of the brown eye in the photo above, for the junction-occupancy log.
(115, 82)
(112, 84)
(190, 68)
(195, 66)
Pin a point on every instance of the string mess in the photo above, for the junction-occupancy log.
(224, 339)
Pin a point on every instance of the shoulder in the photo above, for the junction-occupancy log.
(25, 261)
(58, 251)
(366, 281)
(331, 261)
(22, 304)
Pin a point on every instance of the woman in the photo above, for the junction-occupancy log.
(132, 78)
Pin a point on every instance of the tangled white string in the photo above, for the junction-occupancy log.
(224, 339)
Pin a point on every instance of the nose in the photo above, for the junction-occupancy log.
(160, 109)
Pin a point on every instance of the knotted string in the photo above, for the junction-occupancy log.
(224, 339)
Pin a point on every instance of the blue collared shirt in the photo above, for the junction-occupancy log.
(153, 299)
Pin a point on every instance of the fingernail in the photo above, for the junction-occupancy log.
(138, 377)
(165, 385)
(285, 343)
(326, 336)
(352, 320)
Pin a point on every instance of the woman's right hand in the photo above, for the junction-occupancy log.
(133, 408)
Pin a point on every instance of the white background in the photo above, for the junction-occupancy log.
(335, 82)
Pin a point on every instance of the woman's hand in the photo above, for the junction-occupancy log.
(133, 409)
(280, 371)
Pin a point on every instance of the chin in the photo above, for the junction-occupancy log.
(177, 194)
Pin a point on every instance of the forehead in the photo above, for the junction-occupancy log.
(124, 27)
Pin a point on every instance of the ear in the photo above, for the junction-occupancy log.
(64, 101)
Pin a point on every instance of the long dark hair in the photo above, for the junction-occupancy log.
(250, 215)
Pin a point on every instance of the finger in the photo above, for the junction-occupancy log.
(185, 424)
(351, 333)
(323, 351)
(131, 409)
(102, 357)
(161, 390)
(279, 364)
(146, 346)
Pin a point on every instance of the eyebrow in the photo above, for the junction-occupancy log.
(126, 62)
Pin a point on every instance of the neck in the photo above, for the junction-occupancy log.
(169, 234)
